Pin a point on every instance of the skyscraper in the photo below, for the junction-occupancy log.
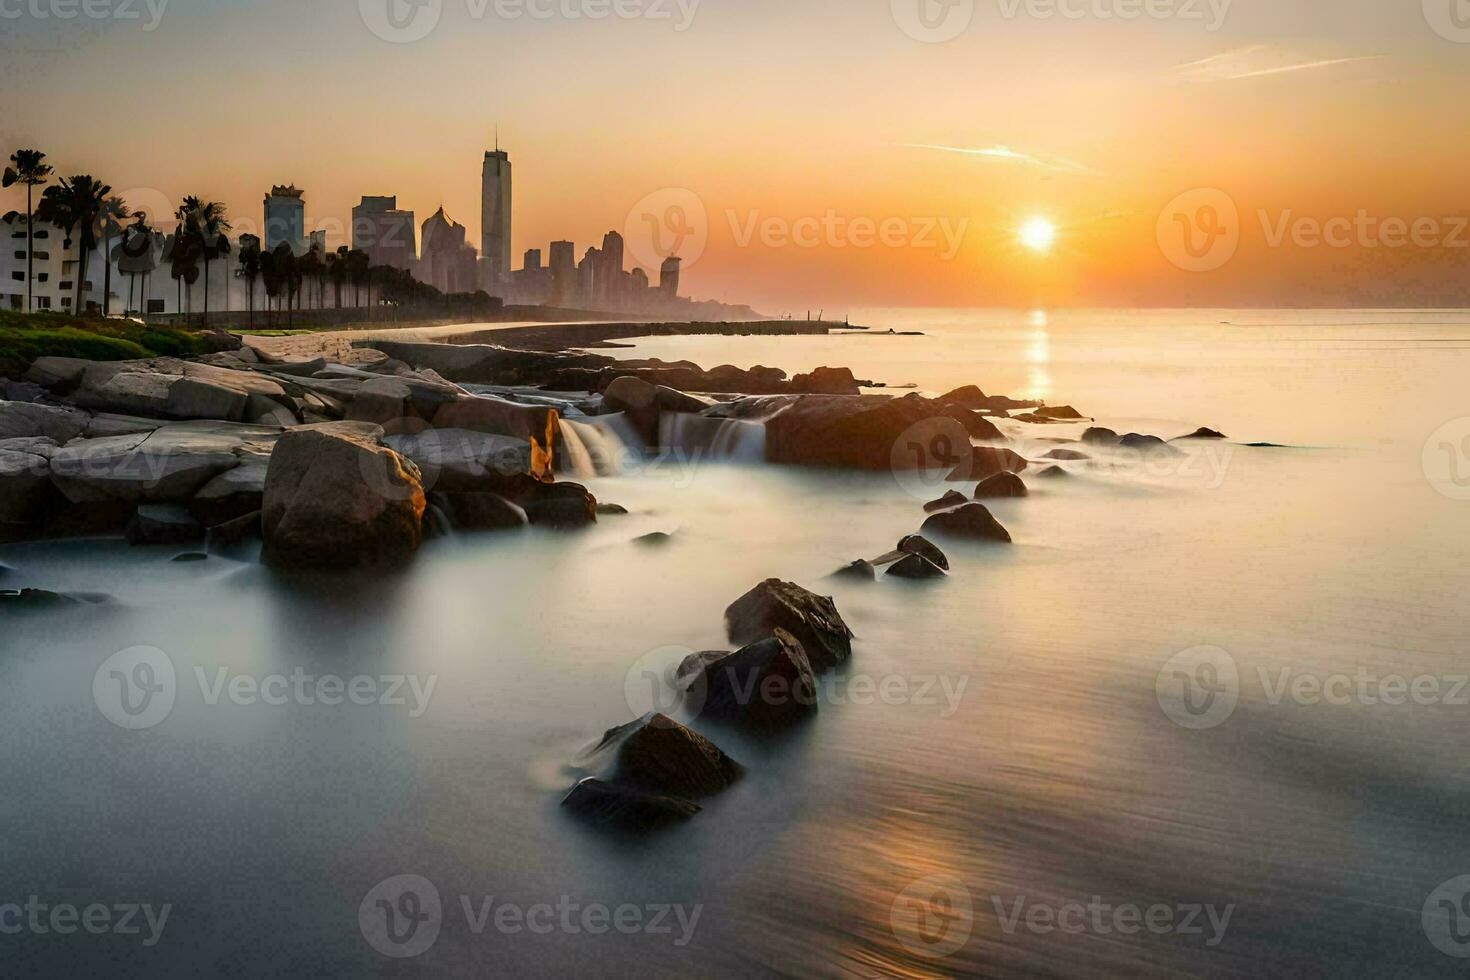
(285, 218)
(668, 276)
(495, 218)
(386, 234)
(610, 269)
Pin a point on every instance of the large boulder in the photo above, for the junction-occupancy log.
(563, 506)
(917, 544)
(1100, 436)
(1149, 445)
(19, 420)
(951, 499)
(460, 460)
(826, 381)
(170, 463)
(970, 396)
(915, 567)
(811, 619)
(864, 432)
(191, 398)
(976, 425)
(336, 499)
(768, 684)
(984, 462)
(1000, 486)
(657, 754)
(483, 512)
(111, 388)
(972, 522)
(644, 403)
(498, 416)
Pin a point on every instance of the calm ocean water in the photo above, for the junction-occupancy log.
(1015, 776)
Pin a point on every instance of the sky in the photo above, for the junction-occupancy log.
(810, 154)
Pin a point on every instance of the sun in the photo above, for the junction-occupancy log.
(1038, 234)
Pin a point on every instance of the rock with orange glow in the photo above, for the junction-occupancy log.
(985, 462)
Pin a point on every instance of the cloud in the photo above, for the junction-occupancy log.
(1257, 61)
(1004, 154)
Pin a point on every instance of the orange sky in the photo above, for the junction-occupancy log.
(765, 117)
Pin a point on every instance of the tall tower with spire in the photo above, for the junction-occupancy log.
(495, 217)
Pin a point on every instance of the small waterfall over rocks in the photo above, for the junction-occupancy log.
(699, 438)
(598, 445)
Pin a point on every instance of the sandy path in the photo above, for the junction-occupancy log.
(336, 345)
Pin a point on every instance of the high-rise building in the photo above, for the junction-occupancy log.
(532, 260)
(610, 269)
(563, 273)
(587, 272)
(448, 261)
(668, 276)
(388, 235)
(285, 218)
(495, 217)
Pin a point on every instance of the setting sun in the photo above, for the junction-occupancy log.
(1038, 234)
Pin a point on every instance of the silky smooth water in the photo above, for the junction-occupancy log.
(1002, 740)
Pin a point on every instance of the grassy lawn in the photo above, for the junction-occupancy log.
(27, 336)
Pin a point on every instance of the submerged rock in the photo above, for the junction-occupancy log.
(985, 462)
(564, 506)
(657, 754)
(611, 510)
(915, 566)
(1152, 445)
(917, 544)
(1066, 455)
(654, 539)
(234, 533)
(972, 522)
(952, 498)
(1203, 433)
(767, 684)
(622, 806)
(338, 500)
(1099, 436)
(1053, 473)
(1000, 486)
(163, 524)
(861, 570)
(811, 619)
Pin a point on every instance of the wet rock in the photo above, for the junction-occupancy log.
(1099, 436)
(234, 493)
(644, 403)
(1053, 473)
(337, 500)
(496, 416)
(1062, 413)
(986, 461)
(812, 619)
(826, 381)
(1203, 433)
(863, 432)
(483, 512)
(977, 426)
(915, 566)
(22, 420)
(611, 510)
(768, 684)
(860, 571)
(1151, 445)
(655, 539)
(1066, 455)
(917, 544)
(972, 522)
(952, 498)
(624, 807)
(564, 506)
(657, 754)
(1001, 486)
(460, 460)
(163, 524)
(970, 396)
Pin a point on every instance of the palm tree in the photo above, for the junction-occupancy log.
(75, 206)
(273, 276)
(357, 273)
(204, 224)
(114, 212)
(183, 265)
(27, 168)
(250, 268)
(337, 270)
(312, 267)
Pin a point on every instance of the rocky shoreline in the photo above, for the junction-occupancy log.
(328, 466)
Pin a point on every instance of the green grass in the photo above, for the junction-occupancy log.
(27, 336)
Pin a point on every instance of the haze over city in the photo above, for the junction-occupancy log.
(779, 117)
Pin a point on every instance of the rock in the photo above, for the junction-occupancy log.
(972, 522)
(483, 512)
(1151, 445)
(644, 403)
(169, 464)
(915, 566)
(25, 479)
(20, 391)
(1203, 433)
(190, 557)
(496, 416)
(261, 410)
(103, 425)
(228, 536)
(985, 462)
(57, 373)
(657, 754)
(1061, 412)
(25, 420)
(110, 388)
(1099, 436)
(459, 460)
(999, 486)
(31, 446)
(337, 500)
(621, 806)
(969, 396)
(917, 544)
(767, 685)
(611, 510)
(234, 493)
(42, 598)
(861, 571)
(163, 524)
(811, 619)
(977, 426)
(826, 381)
(655, 539)
(563, 506)
(379, 400)
(1053, 473)
(1066, 455)
(864, 432)
(952, 498)
(189, 398)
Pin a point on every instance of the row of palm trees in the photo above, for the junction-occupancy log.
(85, 209)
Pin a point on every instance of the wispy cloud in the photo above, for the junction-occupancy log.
(1256, 61)
(1004, 154)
